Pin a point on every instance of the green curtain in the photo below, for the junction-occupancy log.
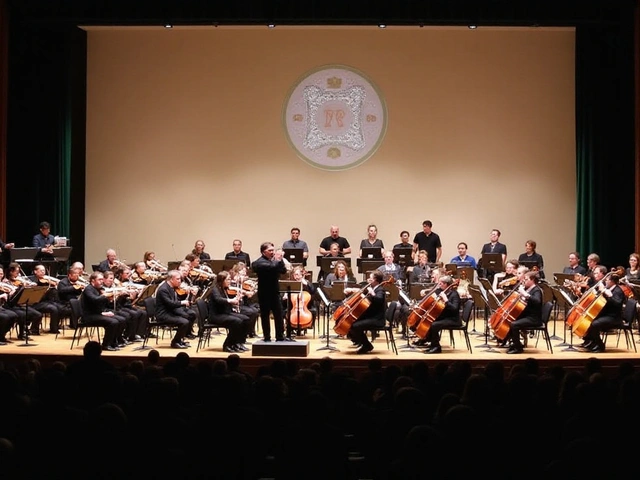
(605, 142)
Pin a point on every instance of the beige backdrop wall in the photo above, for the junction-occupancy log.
(185, 139)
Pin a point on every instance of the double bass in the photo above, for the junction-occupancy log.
(352, 307)
(429, 310)
(509, 310)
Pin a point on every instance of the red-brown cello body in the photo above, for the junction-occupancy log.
(509, 310)
(351, 309)
(587, 308)
(300, 315)
(428, 311)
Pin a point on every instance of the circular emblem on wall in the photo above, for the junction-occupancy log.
(335, 117)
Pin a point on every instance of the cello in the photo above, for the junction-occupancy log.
(300, 315)
(509, 309)
(429, 311)
(352, 307)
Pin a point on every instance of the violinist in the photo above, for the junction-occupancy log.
(450, 315)
(610, 316)
(504, 282)
(50, 303)
(149, 259)
(632, 273)
(248, 303)
(8, 318)
(297, 303)
(574, 266)
(136, 318)
(95, 313)
(70, 287)
(171, 310)
(188, 291)
(531, 315)
(198, 251)
(111, 262)
(222, 303)
(200, 275)
(372, 316)
(140, 275)
(34, 319)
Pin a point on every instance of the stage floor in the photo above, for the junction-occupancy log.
(48, 348)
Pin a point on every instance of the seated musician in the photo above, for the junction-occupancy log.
(341, 273)
(152, 262)
(8, 318)
(504, 282)
(111, 262)
(248, 304)
(333, 252)
(531, 315)
(632, 272)
(421, 272)
(171, 310)
(450, 315)
(610, 316)
(34, 319)
(198, 250)
(574, 266)
(137, 318)
(200, 275)
(392, 269)
(70, 287)
(462, 256)
(95, 312)
(224, 310)
(373, 316)
(298, 275)
(188, 291)
(237, 253)
(50, 303)
(140, 274)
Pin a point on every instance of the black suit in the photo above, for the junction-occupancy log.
(531, 316)
(169, 310)
(221, 313)
(372, 317)
(93, 304)
(449, 317)
(609, 317)
(269, 272)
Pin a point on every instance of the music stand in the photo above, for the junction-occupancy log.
(327, 308)
(23, 254)
(147, 292)
(173, 264)
(403, 256)
(489, 301)
(327, 264)
(486, 284)
(371, 252)
(31, 295)
(492, 262)
(366, 265)
(564, 299)
(288, 286)
(416, 288)
(221, 265)
(560, 278)
(530, 264)
(295, 255)
(61, 254)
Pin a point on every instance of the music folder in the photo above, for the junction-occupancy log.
(61, 254)
(402, 256)
(294, 255)
(23, 254)
(371, 252)
(492, 262)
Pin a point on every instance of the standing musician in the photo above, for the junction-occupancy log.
(268, 268)
(71, 287)
(95, 313)
(404, 240)
(248, 305)
(8, 318)
(171, 310)
(111, 262)
(530, 255)
(296, 307)
(224, 310)
(610, 316)
(198, 250)
(372, 316)
(44, 242)
(237, 253)
(429, 241)
(295, 242)
(494, 246)
(372, 240)
(50, 303)
(531, 315)
(334, 237)
(450, 315)
(34, 318)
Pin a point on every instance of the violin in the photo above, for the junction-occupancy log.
(509, 282)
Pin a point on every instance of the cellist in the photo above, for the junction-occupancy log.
(610, 316)
(372, 316)
(531, 315)
(449, 316)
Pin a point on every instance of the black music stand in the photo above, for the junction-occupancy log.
(31, 295)
(402, 295)
(286, 287)
(366, 265)
(402, 256)
(563, 298)
(491, 263)
(490, 303)
(25, 256)
(222, 265)
(327, 309)
(147, 292)
(371, 252)
(295, 255)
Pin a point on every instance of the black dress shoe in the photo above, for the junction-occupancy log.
(366, 348)
(513, 350)
(179, 345)
(266, 339)
(436, 349)
(110, 349)
(597, 348)
(240, 348)
(586, 344)
(229, 349)
(191, 336)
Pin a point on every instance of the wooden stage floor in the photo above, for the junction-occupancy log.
(47, 348)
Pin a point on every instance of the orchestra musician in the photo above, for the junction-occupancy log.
(248, 304)
(448, 317)
(171, 310)
(341, 273)
(507, 280)
(111, 262)
(8, 318)
(373, 316)
(44, 241)
(34, 318)
(268, 268)
(140, 275)
(610, 316)
(96, 313)
(4, 252)
(71, 287)
(372, 240)
(237, 254)
(298, 274)
(334, 251)
(530, 255)
(574, 266)
(494, 246)
(136, 318)
(391, 269)
(531, 315)
(404, 240)
(295, 242)
(224, 310)
(462, 256)
(188, 291)
(152, 263)
(632, 272)
(334, 237)
(50, 303)
(198, 250)
(429, 241)
(421, 271)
